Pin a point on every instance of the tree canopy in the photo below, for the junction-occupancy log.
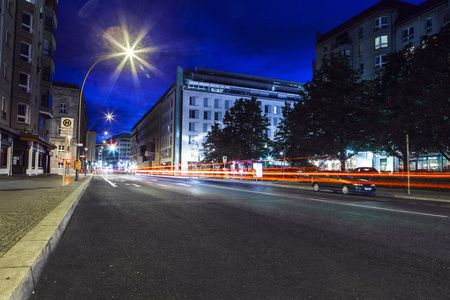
(243, 136)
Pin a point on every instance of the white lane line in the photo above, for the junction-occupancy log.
(332, 202)
(109, 181)
(184, 184)
(136, 185)
(163, 185)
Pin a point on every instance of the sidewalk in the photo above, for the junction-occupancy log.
(34, 211)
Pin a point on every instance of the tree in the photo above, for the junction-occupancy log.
(330, 119)
(415, 88)
(243, 136)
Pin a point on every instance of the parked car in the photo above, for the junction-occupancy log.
(343, 183)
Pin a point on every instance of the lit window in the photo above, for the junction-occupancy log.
(381, 22)
(27, 22)
(381, 42)
(23, 113)
(25, 82)
(276, 110)
(25, 52)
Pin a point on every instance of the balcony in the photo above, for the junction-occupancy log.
(45, 110)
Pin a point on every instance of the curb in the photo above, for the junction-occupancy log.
(22, 265)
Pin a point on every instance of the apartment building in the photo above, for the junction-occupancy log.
(65, 107)
(388, 26)
(173, 130)
(27, 67)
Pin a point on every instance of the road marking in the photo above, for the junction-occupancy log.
(136, 185)
(109, 181)
(184, 184)
(332, 202)
(163, 185)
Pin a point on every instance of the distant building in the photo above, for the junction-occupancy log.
(116, 152)
(65, 106)
(388, 26)
(173, 130)
(27, 68)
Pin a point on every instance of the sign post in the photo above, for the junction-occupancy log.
(66, 130)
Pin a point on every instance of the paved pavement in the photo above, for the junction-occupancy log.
(34, 212)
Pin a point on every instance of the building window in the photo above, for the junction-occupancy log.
(63, 108)
(206, 127)
(206, 115)
(325, 50)
(361, 50)
(8, 38)
(361, 68)
(6, 71)
(192, 101)
(30, 1)
(381, 22)
(46, 98)
(47, 74)
(23, 113)
(27, 22)
(216, 103)
(267, 109)
(227, 104)
(4, 108)
(381, 42)
(25, 82)
(276, 110)
(217, 116)
(361, 32)
(346, 52)
(407, 34)
(193, 114)
(25, 52)
(380, 61)
(49, 23)
(60, 148)
(48, 48)
(428, 24)
(191, 126)
(205, 102)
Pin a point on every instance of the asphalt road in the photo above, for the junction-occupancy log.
(134, 237)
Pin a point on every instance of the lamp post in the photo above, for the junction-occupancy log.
(129, 52)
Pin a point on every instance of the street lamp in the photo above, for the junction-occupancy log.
(129, 54)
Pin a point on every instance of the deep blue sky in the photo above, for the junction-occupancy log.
(258, 37)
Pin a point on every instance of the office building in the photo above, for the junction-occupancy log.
(173, 130)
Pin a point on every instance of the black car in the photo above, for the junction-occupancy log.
(343, 183)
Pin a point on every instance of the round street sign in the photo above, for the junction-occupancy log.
(67, 122)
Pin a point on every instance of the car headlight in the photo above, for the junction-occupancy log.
(372, 184)
(358, 184)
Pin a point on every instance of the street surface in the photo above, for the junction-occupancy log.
(176, 238)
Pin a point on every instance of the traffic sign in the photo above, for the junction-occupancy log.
(77, 164)
(224, 159)
(78, 145)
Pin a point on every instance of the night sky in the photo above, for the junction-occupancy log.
(259, 37)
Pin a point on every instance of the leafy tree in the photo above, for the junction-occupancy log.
(415, 88)
(331, 118)
(243, 136)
